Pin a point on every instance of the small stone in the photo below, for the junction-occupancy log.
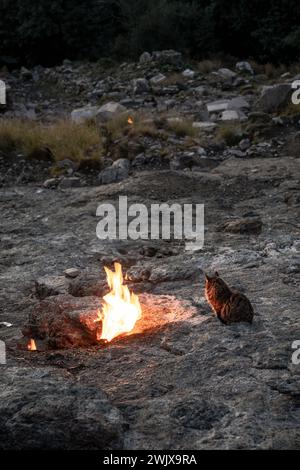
(140, 86)
(180, 162)
(118, 171)
(244, 66)
(72, 272)
(217, 106)
(66, 163)
(157, 79)
(236, 153)
(50, 285)
(201, 151)
(73, 182)
(278, 120)
(51, 183)
(5, 324)
(145, 58)
(206, 125)
(188, 73)
(244, 144)
(226, 73)
(174, 120)
(25, 73)
(232, 115)
(200, 90)
(139, 160)
(122, 164)
(238, 103)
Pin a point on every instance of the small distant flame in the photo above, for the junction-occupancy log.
(130, 120)
(121, 309)
(31, 345)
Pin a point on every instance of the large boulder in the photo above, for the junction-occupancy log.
(84, 114)
(40, 409)
(103, 113)
(273, 98)
(110, 110)
(238, 103)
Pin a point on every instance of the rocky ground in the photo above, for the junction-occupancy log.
(182, 380)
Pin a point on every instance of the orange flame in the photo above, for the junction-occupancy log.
(130, 120)
(31, 345)
(121, 309)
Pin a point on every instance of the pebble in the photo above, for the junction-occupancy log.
(72, 272)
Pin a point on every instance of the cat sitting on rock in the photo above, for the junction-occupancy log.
(230, 306)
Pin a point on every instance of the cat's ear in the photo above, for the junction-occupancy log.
(216, 274)
(207, 277)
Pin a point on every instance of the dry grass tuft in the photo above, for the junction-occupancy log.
(229, 133)
(274, 72)
(207, 66)
(174, 79)
(182, 127)
(291, 110)
(61, 140)
(140, 125)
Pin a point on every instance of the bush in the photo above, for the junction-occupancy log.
(47, 31)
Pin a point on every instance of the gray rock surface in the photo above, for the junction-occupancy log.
(48, 411)
(214, 386)
(181, 380)
(64, 321)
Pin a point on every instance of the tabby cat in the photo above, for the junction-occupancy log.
(229, 305)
